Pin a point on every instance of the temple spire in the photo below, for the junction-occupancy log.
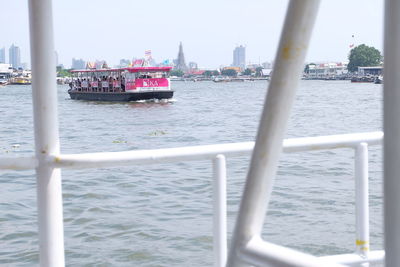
(180, 62)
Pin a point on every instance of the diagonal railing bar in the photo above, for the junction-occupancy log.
(295, 37)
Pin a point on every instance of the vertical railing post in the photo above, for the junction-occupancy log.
(362, 205)
(219, 211)
(288, 67)
(391, 125)
(45, 117)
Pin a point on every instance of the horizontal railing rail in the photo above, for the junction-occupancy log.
(253, 252)
(189, 153)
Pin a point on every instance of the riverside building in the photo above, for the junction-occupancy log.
(327, 70)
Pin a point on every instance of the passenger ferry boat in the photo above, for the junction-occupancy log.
(123, 84)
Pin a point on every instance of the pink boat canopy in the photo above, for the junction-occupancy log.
(144, 69)
(130, 69)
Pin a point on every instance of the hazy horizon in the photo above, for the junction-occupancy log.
(209, 31)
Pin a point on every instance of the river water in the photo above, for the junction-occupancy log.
(161, 215)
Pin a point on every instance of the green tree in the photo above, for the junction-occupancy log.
(207, 73)
(215, 73)
(229, 72)
(177, 73)
(247, 72)
(363, 56)
(63, 73)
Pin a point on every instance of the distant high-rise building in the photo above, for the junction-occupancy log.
(14, 56)
(101, 64)
(239, 57)
(123, 63)
(78, 64)
(3, 55)
(180, 61)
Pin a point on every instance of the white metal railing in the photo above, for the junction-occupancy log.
(217, 153)
(247, 247)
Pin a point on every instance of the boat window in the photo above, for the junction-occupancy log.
(157, 75)
(162, 74)
(144, 75)
(130, 75)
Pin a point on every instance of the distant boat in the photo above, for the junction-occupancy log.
(378, 80)
(220, 79)
(20, 80)
(363, 79)
(174, 78)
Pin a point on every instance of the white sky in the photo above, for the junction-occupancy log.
(208, 29)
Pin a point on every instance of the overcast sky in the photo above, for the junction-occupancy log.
(209, 29)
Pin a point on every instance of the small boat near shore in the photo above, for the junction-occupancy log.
(363, 79)
(20, 80)
(124, 84)
(378, 80)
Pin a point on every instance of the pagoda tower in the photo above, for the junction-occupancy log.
(180, 61)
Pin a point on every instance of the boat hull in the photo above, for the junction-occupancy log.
(120, 96)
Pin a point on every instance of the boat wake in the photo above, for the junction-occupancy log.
(161, 101)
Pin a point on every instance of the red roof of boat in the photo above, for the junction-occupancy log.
(130, 69)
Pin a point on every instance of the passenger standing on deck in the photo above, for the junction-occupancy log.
(78, 84)
(123, 84)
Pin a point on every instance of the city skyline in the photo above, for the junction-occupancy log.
(208, 41)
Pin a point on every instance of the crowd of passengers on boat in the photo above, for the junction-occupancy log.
(99, 84)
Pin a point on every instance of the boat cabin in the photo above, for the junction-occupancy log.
(132, 79)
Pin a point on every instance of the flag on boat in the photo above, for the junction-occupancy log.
(147, 54)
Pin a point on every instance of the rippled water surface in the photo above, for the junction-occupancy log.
(161, 215)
